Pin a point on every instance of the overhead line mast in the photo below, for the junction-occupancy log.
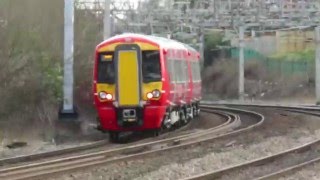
(107, 20)
(68, 109)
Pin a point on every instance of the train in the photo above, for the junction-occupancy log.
(145, 83)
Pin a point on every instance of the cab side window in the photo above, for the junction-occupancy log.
(151, 67)
(106, 70)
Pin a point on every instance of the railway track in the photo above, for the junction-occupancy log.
(38, 156)
(232, 126)
(264, 161)
(272, 166)
(277, 106)
(79, 149)
(82, 148)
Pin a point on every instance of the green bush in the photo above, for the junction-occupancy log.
(30, 57)
(305, 55)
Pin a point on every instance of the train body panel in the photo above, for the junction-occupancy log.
(143, 82)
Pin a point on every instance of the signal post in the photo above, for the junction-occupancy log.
(317, 74)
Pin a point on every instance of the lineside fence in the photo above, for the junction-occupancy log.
(280, 64)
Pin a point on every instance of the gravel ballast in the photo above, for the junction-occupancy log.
(35, 145)
(311, 172)
(281, 132)
(231, 156)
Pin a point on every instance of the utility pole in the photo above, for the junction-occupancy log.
(241, 63)
(230, 5)
(201, 47)
(215, 9)
(259, 11)
(281, 8)
(107, 20)
(68, 109)
(317, 31)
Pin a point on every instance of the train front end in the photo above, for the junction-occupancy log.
(128, 85)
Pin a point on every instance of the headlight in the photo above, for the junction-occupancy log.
(105, 96)
(109, 97)
(156, 93)
(149, 95)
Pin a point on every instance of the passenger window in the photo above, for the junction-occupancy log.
(186, 71)
(171, 70)
(192, 72)
(183, 72)
(178, 70)
(195, 71)
(198, 71)
(168, 68)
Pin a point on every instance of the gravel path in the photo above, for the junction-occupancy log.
(280, 132)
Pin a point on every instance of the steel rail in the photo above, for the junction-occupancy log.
(32, 157)
(111, 156)
(66, 151)
(296, 167)
(129, 149)
(39, 156)
(264, 160)
(258, 161)
(278, 106)
(291, 169)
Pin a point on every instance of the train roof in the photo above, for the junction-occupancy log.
(162, 42)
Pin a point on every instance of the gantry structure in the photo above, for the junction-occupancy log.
(186, 20)
(176, 15)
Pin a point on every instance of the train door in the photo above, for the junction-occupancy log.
(128, 65)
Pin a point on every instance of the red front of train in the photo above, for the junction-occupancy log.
(145, 83)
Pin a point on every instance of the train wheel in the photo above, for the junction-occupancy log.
(114, 137)
(191, 116)
(190, 113)
(177, 125)
(157, 132)
(195, 110)
(183, 118)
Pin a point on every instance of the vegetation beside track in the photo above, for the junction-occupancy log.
(31, 60)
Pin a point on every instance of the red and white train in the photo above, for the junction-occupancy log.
(145, 82)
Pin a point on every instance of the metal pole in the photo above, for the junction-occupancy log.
(281, 8)
(68, 107)
(318, 64)
(107, 20)
(241, 63)
(201, 48)
(229, 5)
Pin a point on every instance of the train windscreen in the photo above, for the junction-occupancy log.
(106, 70)
(151, 67)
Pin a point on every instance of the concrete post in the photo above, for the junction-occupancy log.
(107, 20)
(241, 63)
(318, 64)
(68, 106)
